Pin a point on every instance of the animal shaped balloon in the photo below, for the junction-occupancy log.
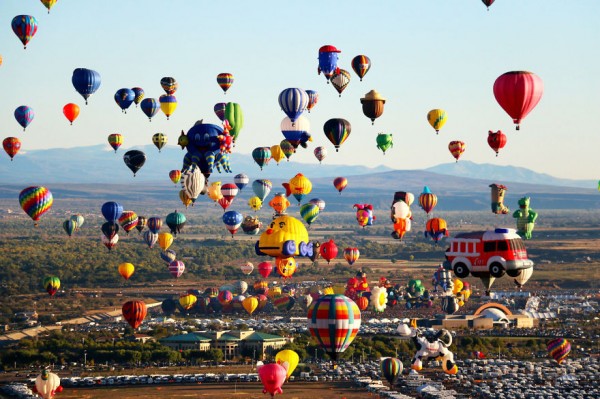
(272, 377)
(526, 218)
(496, 140)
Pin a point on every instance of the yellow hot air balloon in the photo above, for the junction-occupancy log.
(185, 199)
(187, 301)
(289, 356)
(458, 286)
(274, 292)
(255, 203)
(437, 119)
(250, 304)
(165, 240)
(298, 186)
(168, 104)
(126, 270)
(277, 153)
(214, 191)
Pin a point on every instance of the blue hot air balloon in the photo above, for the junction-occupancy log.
(241, 180)
(328, 58)
(112, 211)
(149, 107)
(124, 98)
(293, 102)
(86, 82)
(24, 27)
(24, 115)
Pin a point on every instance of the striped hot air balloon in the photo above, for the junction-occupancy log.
(51, 284)
(427, 200)
(340, 80)
(361, 65)
(559, 349)
(351, 254)
(309, 212)
(391, 368)
(456, 148)
(334, 321)
(128, 220)
(36, 201)
(150, 107)
(225, 80)
(134, 313)
(337, 130)
(293, 102)
(176, 268)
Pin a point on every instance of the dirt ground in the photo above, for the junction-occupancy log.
(291, 390)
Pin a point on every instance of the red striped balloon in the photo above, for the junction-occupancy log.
(134, 313)
(36, 201)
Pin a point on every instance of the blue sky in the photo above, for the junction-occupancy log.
(425, 55)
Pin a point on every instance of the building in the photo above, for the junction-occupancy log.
(231, 343)
(484, 318)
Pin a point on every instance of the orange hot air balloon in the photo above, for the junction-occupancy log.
(427, 200)
(11, 145)
(457, 148)
(436, 228)
(175, 175)
(134, 313)
(362, 303)
(71, 112)
(340, 183)
(286, 266)
(126, 270)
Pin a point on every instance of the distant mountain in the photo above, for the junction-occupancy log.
(503, 174)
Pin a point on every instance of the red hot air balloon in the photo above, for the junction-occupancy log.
(518, 92)
(457, 148)
(340, 183)
(488, 3)
(328, 250)
(71, 112)
(134, 312)
(11, 145)
(496, 140)
(229, 191)
(265, 269)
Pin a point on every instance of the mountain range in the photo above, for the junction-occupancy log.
(94, 171)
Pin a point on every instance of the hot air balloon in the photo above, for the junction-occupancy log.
(261, 155)
(340, 80)
(69, 227)
(247, 268)
(176, 268)
(518, 92)
(265, 269)
(299, 186)
(436, 228)
(126, 270)
(437, 118)
(138, 95)
(290, 357)
(488, 3)
(192, 183)
(175, 175)
(279, 203)
(337, 131)
(328, 58)
(229, 191)
(141, 224)
(24, 115)
(169, 85)
(51, 284)
(523, 277)
(164, 240)
(250, 304)
(124, 98)
(277, 153)
(296, 132)
(293, 102)
(128, 220)
(287, 148)
(159, 140)
(313, 98)
(328, 250)
(150, 238)
(351, 254)
(110, 229)
(36, 201)
(78, 219)
(150, 107)
(48, 4)
(24, 26)
(154, 224)
(286, 267)
(496, 140)
(134, 313)
(219, 110)
(111, 211)
(427, 200)
(11, 145)
(225, 80)
(134, 159)
(456, 148)
(320, 153)
(334, 321)
(71, 112)
(47, 384)
(115, 140)
(391, 368)
(526, 218)
(372, 105)
(340, 183)
(241, 180)
(168, 104)
(272, 376)
(233, 220)
(168, 256)
(401, 226)
(309, 212)
(175, 221)
(318, 202)
(86, 82)
(559, 349)
(262, 188)
(186, 301)
(364, 214)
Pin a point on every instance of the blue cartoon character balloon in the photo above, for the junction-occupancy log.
(203, 147)
(328, 59)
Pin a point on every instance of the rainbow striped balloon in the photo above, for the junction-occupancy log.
(559, 348)
(36, 201)
(334, 321)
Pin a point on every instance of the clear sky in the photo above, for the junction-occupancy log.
(425, 55)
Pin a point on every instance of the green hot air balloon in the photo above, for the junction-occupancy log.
(309, 212)
(69, 226)
(176, 221)
(235, 117)
(384, 142)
